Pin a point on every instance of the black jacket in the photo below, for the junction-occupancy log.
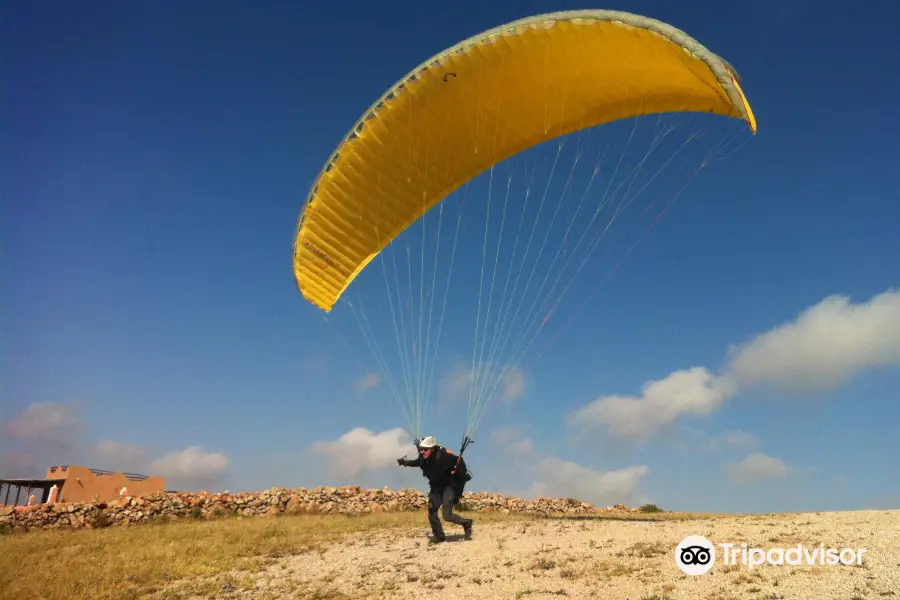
(438, 468)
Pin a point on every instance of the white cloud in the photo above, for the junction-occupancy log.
(691, 391)
(49, 428)
(191, 467)
(512, 441)
(44, 421)
(515, 385)
(564, 479)
(457, 383)
(184, 469)
(361, 450)
(121, 456)
(735, 438)
(521, 448)
(754, 468)
(824, 346)
(507, 435)
(368, 382)
(491, 383)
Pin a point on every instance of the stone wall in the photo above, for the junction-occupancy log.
(350, 500)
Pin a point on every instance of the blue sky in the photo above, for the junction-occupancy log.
(157, 158)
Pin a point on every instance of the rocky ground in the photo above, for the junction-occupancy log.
(580, 557)
(347, 500)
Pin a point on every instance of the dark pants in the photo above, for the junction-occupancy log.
(445, 498)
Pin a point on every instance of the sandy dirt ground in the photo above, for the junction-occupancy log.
(598, 559)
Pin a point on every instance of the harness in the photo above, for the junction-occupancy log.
(459, 479)
(467, 476)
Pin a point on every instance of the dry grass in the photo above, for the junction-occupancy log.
(386, 556)
(130, 562)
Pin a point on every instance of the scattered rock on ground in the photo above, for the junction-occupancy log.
(348, 500)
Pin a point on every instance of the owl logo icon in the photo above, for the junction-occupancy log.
(695, 555)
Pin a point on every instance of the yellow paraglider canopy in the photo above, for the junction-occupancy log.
(482, 101)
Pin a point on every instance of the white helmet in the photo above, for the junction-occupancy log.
(428, 442)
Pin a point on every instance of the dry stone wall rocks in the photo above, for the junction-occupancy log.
(348, 500)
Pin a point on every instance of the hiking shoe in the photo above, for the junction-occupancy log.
(467, 530)
(433, 539)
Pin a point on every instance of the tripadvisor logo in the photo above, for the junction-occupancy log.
(695, 555)
(795, 555)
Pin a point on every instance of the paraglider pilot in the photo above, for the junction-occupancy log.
(446, 478)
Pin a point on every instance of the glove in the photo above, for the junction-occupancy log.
(401, 462)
